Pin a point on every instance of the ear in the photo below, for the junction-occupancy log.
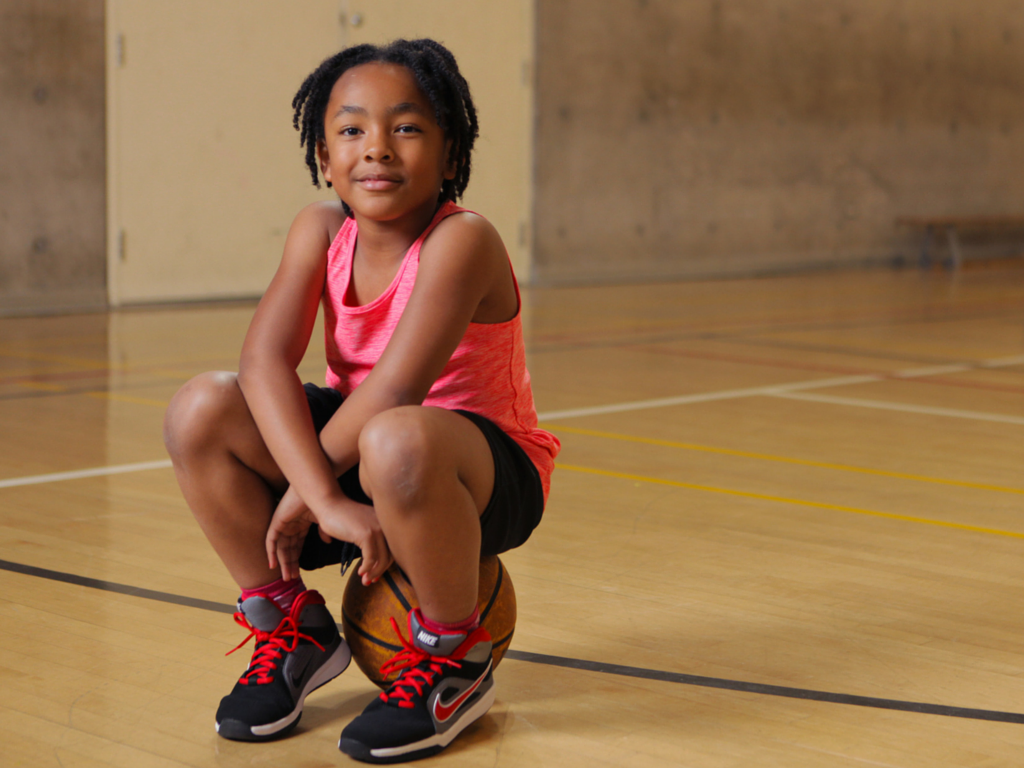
(449, 165)
(325, 160)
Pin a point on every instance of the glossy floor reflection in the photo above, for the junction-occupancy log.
(810, 482)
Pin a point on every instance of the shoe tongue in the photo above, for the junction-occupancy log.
(436, 644)
(262, 613)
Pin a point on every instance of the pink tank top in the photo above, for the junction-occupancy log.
(486, 374)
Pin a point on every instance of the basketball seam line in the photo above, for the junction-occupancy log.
(494, 593)
(390, 581)
(363, 633)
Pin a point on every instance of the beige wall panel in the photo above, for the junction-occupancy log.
(52, 243)
(205, 171)
(739, 136)
(493, 43)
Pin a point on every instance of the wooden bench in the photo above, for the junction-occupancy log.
(953, 226)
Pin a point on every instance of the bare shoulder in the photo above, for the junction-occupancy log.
(467, 249)
(311, 234)
(466, 235)
(322, 217)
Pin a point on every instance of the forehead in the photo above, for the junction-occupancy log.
(376, 85)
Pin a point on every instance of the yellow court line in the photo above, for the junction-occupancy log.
(784, 500)
(41, 386)
(127, 399)
(78, 362)
(784, 459)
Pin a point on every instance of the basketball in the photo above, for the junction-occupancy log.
(366, 614)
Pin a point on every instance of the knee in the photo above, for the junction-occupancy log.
(196, 411)
(397, 456)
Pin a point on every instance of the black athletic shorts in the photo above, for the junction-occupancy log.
(515, 508)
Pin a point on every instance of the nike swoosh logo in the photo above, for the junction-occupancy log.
(297, 675)
(444, 711)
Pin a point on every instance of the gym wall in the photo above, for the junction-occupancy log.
(52, 167)
(672, 139)
(205, 169)
(720, 137)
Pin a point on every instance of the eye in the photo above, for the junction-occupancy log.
(408, 128)
(349, 130)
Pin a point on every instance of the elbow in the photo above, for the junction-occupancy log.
(247, 367)
(396, 397)
(253, 366)
(387, 394)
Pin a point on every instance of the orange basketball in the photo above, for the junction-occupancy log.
(365, 614)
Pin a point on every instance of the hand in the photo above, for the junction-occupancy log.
(348, 520)
(287, 533)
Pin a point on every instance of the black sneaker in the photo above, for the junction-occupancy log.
(295, 654)
(446, 685)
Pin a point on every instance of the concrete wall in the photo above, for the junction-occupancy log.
(52, 243)
(713, 137)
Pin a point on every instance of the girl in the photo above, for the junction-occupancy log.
(423, 449)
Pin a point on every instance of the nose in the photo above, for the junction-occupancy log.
(378, 146)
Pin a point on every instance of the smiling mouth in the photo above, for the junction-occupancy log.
(378, 182)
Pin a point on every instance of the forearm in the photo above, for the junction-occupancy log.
(274, 394)
(339, 440)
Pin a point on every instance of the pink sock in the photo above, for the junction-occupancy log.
(440, 628)
(281, 592)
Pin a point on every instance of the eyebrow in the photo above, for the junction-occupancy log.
(404, 107)
(398, 109)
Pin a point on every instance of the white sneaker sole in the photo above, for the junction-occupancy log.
(442, 740)
(330, 669)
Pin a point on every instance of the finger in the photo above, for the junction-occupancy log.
(290, 554)
(373, 568)
(271, 545)
(289, 570)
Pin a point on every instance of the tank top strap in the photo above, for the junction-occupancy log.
(443, 213)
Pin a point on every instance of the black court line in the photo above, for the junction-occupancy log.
(580, 664)
(111, 586)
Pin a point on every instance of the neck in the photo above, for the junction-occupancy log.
(393, 238)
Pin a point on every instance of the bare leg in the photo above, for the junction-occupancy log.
(430, 474)
(225, 471)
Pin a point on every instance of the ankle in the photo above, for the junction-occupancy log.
(467, 625)
(280, 591)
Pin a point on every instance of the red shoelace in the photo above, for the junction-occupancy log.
(284, 639)
(414, 678)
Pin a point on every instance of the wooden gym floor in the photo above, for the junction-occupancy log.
(787, 530)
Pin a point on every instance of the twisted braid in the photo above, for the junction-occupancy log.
(436, 73)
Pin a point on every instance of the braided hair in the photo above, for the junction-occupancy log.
(437, 75)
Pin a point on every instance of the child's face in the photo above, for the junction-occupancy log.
(384, 152)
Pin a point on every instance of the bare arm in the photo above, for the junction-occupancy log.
(274, 345)
(273, 348)
(462, 265)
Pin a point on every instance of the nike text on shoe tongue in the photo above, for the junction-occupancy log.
(431, 642)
